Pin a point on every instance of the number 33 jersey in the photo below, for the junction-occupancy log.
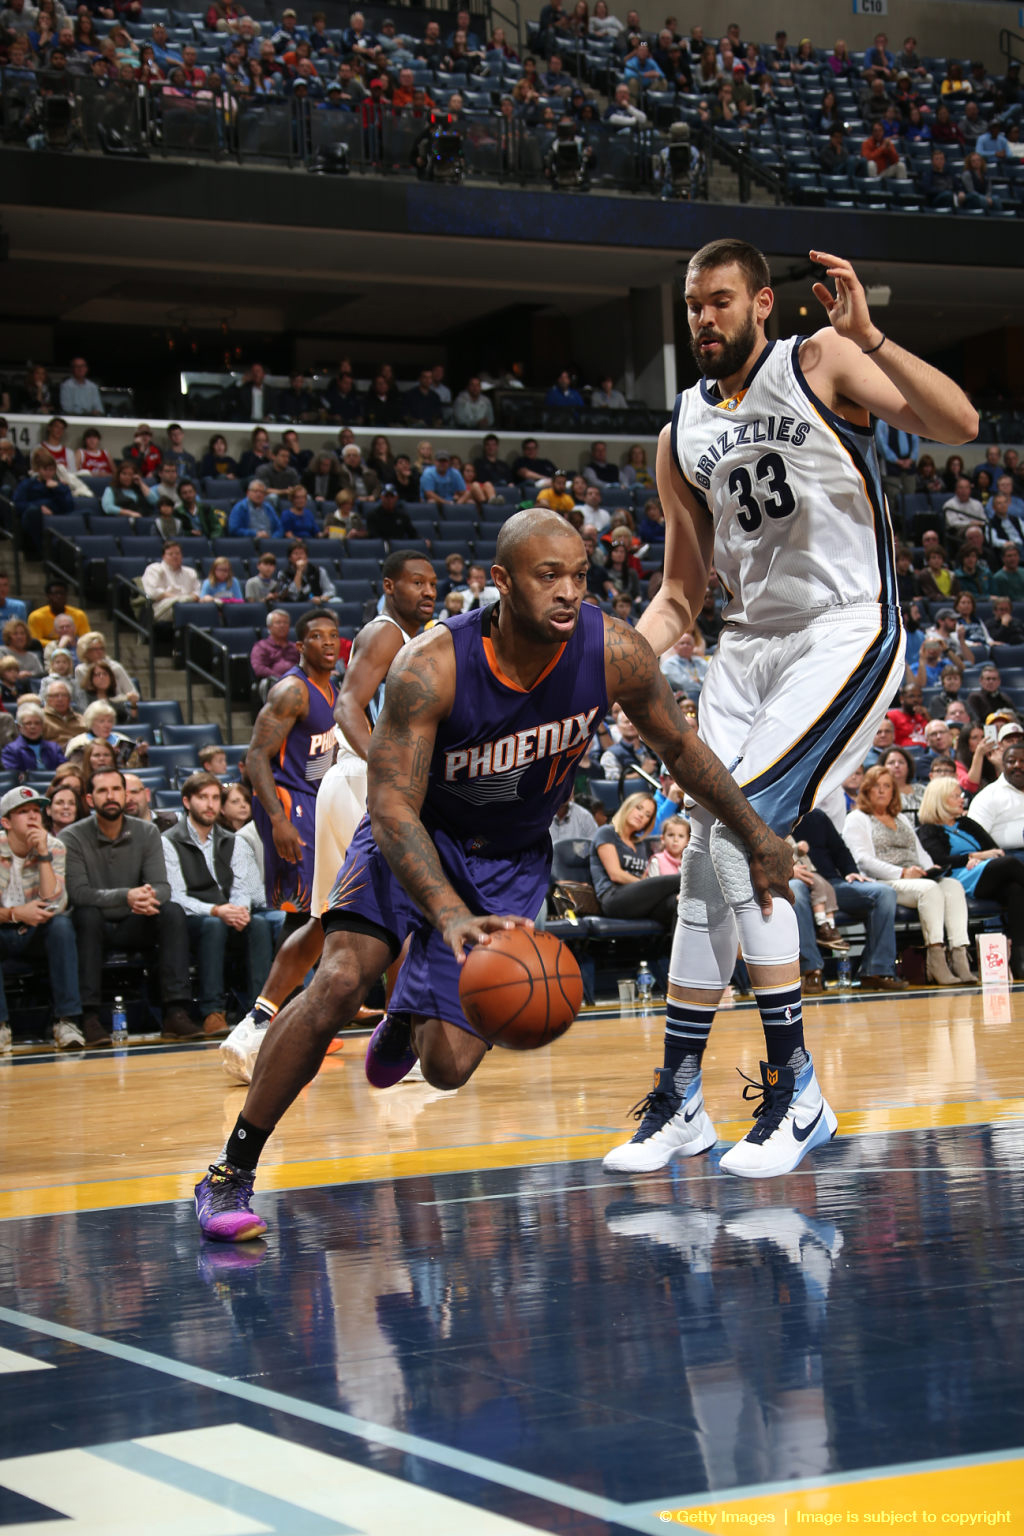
(795, 493)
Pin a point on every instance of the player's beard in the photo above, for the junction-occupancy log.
(734, 352)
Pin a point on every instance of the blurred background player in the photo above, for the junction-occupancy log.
(410, 596)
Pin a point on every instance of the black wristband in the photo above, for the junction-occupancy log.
(44, 858)
(867, 351)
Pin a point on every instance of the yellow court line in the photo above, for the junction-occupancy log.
(112, 1194)
(985, 1496)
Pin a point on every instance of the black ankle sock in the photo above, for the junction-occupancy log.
(245, 1144)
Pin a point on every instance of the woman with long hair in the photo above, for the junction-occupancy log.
(100, 683)
(381, 460)
(887, 849)
(956, 843)
(974, 754)
(619, 861)
(901, 765)
(953, 472)
(839, 61)
(126, 495)
(635, 471)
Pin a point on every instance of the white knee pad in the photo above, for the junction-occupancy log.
(706, 940)
(764, 941)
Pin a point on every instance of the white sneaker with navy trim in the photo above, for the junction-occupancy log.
(239, 1051)
(791, 1118)
(671, 1125)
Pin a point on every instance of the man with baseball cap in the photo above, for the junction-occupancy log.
(439, 481)
(33, 914)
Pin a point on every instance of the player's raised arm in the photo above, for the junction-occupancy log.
(420, 693)
(374, 650)
(689, 538)
(640, 686)
(867, 368)
(286, 702)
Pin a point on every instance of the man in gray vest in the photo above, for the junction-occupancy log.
(214, 879)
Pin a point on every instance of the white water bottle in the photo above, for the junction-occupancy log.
(844, 974)
(119, 1023)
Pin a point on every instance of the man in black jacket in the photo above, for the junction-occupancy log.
(857, 896)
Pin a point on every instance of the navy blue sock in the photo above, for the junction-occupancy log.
(783, 1022)
(687, 1026)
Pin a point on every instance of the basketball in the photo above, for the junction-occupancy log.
(522, 990)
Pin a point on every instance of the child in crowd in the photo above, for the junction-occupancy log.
(675, 836)
(213, 759)
(823, 901)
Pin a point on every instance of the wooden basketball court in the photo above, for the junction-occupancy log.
(459, 1323)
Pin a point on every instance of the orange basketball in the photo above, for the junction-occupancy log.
(522, 990)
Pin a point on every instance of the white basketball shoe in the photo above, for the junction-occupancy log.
(791, 1118)
(239, 1051)
(671, 1125)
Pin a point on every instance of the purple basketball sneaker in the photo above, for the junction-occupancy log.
(389, 1055)
(223, 1205)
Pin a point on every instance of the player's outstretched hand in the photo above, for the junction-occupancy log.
(847, 310)
(771, 870)
(478, 930)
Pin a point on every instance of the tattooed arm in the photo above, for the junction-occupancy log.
(287, 702)
(420, 693)
(374, 651)
(638, 683)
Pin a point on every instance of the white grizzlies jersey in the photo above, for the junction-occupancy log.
(801, 523)
(373, 709)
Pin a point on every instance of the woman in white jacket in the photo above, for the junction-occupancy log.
(887, 849)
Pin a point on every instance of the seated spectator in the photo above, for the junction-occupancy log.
(479, 591)
(555, 496)
(1008, 581)
(213, 758)
(257, 456)
(217, 463)
(618, 867)
(92, 647)
(963, 508)
(12, 685)
(38, 496)
(381, 408)
(619, 574)
(684, 669)
(79, 396)
(675, 839)
(835, 159)
(899, 763)
(651, 528)
(389, 519)
(215, 881)
(938, 183)
(530, 468)
(10, 607)
(599, 472)
(278, 473)
(999, 808)
(37, 396)
(65, 807)
(898, 452)
(856, 896)
(381, 459)
(972, 575)
(221, 585)
(30, 751)
(421, 405)
(127, 496)
(472, 408)
(34, 924)
(143, 452)
(936, 583)
(627, 754)
(562, 395)
(302, 581)
(979, 192)
(92, 458)
(138, 802)
(886, 848)
(272, 656)
(357, 481)
(64, 638)
(41, 621)
(439, 482)
(253, 516)
(881, 155)
(340, 402)
(100, 682)
(261, 587)
(635, 470)
(989, 696)
(489, 466)
(120, 897)
(606, 397)
(60, 720)
(1002, 628)
(322, 480)
(960, 844)
(20, 644)
(99, 720)
(910, 719)
(298, 520)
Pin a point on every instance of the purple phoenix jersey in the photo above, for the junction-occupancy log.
(504, 761)
(505, 758)
(305, 756)
(308, 749)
